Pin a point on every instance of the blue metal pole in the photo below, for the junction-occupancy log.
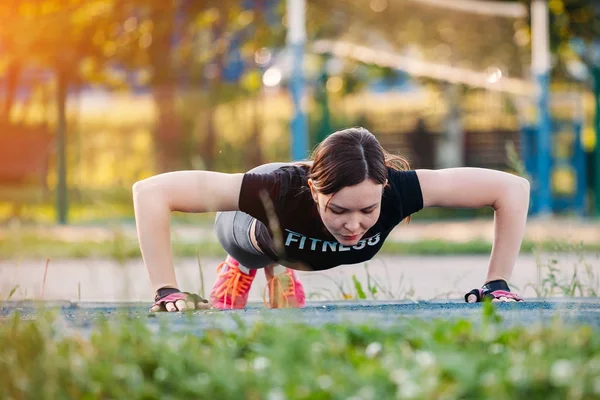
(595, 173)
(580, 170)
(541, 69)
(296, 40)
(543, 146)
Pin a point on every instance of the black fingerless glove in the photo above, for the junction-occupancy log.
(493, 290)
(164, 292)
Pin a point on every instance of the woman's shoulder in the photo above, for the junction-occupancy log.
(404, 188)
(397, 176)
(289, 178)
(293, 177)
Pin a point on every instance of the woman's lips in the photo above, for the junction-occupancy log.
(353, 237)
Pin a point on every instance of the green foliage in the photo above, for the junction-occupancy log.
(360, 293)
(121, 247)
(410, 359)
(552, 280)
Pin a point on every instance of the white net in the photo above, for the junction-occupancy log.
(465, 67)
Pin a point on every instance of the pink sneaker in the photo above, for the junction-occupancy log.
(285, 290)
(231, 289)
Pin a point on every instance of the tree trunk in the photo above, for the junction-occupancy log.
(12, 81)
(209, 142)
(167, 134)
(254, 150)
(61, 145)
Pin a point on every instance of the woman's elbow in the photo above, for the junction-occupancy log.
(514, 191)
(144, 187)
(521, 189)
(524, 185)
(139, 187)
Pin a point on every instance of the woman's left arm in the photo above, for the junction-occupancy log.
(507, 194)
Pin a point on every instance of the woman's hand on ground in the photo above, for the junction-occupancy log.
(473, 297)
(180, 301)
(496, 291)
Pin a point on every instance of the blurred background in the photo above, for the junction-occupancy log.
(97, 94)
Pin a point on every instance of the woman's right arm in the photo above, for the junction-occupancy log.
(156, 197)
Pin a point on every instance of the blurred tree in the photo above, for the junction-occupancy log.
(137, 44)
(186, 44)
(54, 36)
(424, 31)
(575, 45)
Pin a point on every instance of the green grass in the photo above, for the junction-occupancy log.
(413, 359)
(121, 247)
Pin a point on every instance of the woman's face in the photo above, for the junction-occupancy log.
(351, 212)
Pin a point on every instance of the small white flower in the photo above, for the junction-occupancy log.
(430, 382)
(160, 374)
(399, 376)
(517, 374)
(325, 382)
(366, 393)
(537, 347)
(77, 361)
(562, 372)
(373, 349)
(136, 375)
(409, 389)
(317, 348)
(260, 363)
(496, 348)
(425, 359)
(276, 394)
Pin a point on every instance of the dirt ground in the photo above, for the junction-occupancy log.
(406, 277)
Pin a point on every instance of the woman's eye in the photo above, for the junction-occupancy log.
(337, 212)
(368, 212)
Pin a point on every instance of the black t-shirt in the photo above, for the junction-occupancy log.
(304, 241)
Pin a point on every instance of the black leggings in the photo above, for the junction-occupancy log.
(233, 231)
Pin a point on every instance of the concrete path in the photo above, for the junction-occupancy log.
(80, 319)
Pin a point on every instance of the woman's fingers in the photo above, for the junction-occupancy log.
(203, 305)
(181, 302)
(180, 305)
(156, 308)
(504, 300)
(190, 305)
(472, 298)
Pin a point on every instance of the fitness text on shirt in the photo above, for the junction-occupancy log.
(302, 242)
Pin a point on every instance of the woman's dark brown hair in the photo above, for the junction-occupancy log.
(348, 157)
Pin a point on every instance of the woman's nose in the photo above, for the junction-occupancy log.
(353, 224)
